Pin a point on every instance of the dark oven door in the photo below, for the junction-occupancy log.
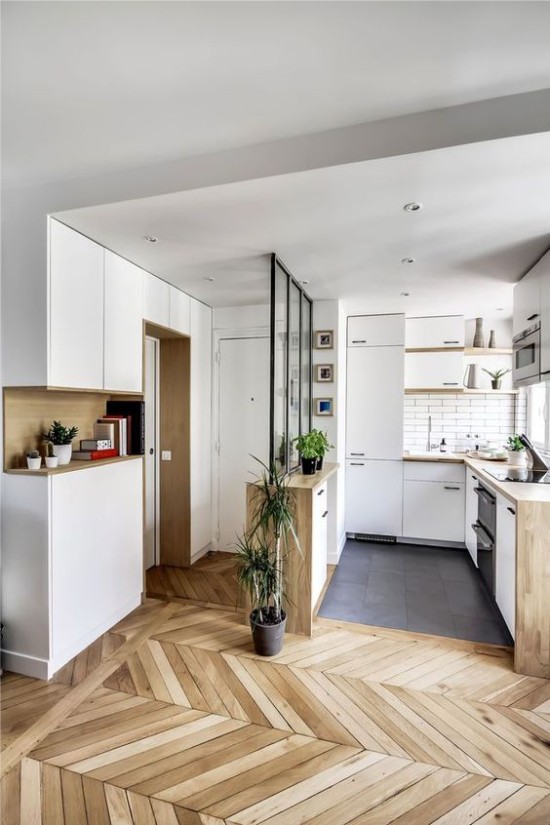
(485, 556)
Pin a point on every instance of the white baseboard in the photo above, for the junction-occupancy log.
(25, 665)
(334, 558)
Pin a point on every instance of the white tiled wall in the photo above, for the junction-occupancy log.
(491, 418)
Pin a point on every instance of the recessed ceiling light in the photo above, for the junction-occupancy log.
(500, 309)
(150, 238)
(209, 278)
(305, 283)
(412, 207)
(405, 294)
(407, 260)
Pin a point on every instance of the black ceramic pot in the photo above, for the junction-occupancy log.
(309, 465)
(320, 463)
(267, 638)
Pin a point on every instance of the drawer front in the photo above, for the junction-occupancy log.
(433, 471)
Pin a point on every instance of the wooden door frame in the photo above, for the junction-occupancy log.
(156, 341)
(218, 336)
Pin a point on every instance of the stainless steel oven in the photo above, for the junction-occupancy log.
(485, 529)
(527, 357)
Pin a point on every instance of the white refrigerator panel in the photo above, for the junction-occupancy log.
(374, 497)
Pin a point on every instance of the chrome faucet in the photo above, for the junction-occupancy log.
(429, 444)
(539, 464)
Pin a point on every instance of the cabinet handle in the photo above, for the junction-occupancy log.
(357, 453)
(451, 342)
(320, 493)
(359, 342)
(451, 488)
(511, 510)
(325, 514)
(474, 478)
(545, 372)
(357, 463)
(450, 383)
(532, 317)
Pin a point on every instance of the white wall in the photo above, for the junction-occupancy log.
(242, 318)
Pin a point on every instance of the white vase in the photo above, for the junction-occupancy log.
(63, 453)
(34, 463)
(517, 458)
(51, 461)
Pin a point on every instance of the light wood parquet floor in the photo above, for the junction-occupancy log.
(171, 719)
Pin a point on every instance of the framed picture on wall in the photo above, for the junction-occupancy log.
(324, 339)
(323, 406)
(324, 373)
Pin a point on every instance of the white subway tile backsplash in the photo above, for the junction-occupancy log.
(483, 417)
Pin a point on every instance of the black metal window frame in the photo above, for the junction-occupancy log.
(304, 297)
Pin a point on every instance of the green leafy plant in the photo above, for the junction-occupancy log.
(514, 444)
(261, 551)
(308, 444)
(497, 375)
(59, 434)
(323, 444)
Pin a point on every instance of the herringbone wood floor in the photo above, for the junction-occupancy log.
(172, 719)
(210, 581)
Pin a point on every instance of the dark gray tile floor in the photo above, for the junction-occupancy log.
(425, 589)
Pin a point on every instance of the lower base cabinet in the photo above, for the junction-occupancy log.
(72, 561)
(433, 501)
(319, 543)
(374, 497)
(505, 562)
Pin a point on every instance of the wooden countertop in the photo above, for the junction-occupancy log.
(514, 491)
(302, 482)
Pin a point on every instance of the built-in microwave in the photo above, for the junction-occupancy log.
(527, 357)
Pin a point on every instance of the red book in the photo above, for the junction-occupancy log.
(93, 455)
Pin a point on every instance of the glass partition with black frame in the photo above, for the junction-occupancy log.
(290, 366)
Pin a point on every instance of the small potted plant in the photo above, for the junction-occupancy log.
(307, 445)
(34, 460)
(51, 459)
(516, 451)
(61, 438)
(323, 446)
(496, 377)
(260, 556)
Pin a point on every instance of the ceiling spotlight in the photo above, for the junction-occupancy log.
(412, 207)
(150, 238)
(209, 278)
(405, 294)
(305, 283)
(407, 260)
(500, 309)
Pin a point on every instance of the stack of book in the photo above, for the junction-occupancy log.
(94, 449)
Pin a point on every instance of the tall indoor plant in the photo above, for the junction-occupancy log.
(261, 553)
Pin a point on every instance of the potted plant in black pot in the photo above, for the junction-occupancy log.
(323, 446)
(307, 445)
(260, 559)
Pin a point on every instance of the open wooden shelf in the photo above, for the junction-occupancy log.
(71, 467)
(456, 391)
(434, 349)
(480, 351)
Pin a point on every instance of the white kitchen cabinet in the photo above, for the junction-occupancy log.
(433, 510)
(505, 562)
(75, 309)
(470, 517)
(376, 330)
(72, 561)
(180, 311)
(201, 426)
(123, 334)
(434, 370)
(434, 331)
(375, 402)
(319, 544)
(156, 300)
(374, 497)
(544, 266)
(527, 308)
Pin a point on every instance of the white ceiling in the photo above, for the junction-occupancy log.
(92, 87)
(486, 218)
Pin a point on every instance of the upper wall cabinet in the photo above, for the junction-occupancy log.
(156, 300)
(527, 300)
(76, 310)
(180, 308)
(437, 370)
(123, 325)
(376, 330)
(437, 332)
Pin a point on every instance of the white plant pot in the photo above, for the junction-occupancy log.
(51, 461)
(34, 463)
(63, 453)
(517, 458)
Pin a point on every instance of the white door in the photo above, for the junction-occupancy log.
(150, 541)
(374, 497)
(123, 325)
(243, 415)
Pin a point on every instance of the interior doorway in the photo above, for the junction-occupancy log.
(151, 397)
(243, 427)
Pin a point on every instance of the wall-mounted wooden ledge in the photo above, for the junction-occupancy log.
(488, 351)
(434, 349)
(76, 391)
(456, 391)
(72, 466)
